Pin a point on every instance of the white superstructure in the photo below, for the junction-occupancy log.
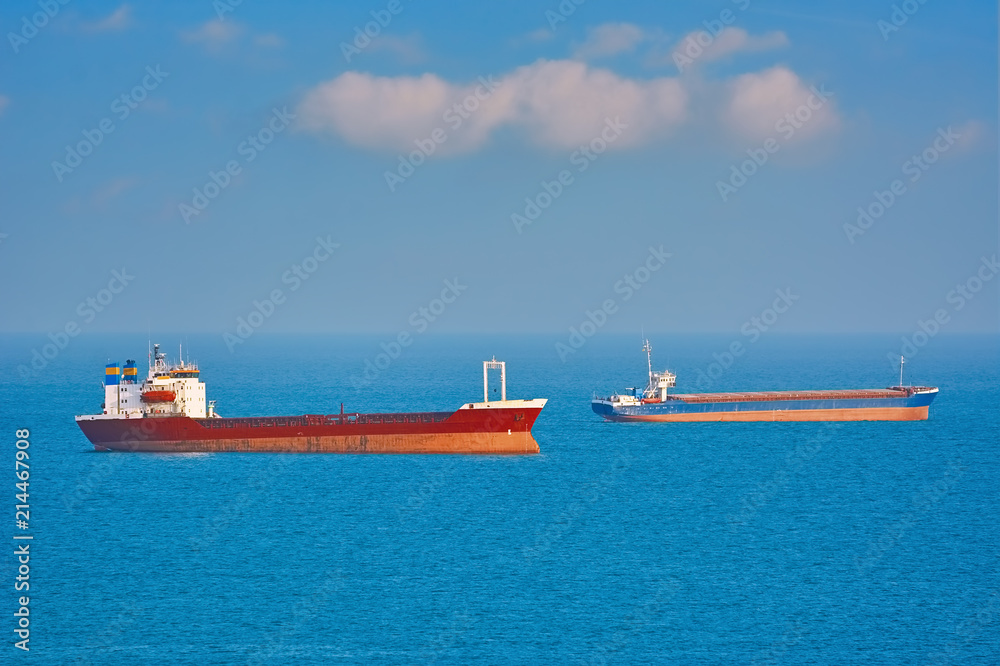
(656, 389)
(168, 390)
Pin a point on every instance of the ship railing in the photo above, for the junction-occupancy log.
(323, 420)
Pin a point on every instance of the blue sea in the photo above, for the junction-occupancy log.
(757, 543)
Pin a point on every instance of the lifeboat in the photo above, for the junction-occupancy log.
(159, 396)
(650, 401)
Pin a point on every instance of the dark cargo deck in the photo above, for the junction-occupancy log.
(766, 396)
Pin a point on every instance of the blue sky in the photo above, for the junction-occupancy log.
(669, 114)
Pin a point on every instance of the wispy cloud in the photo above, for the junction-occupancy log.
(738, 40)
(218, 35)
(100, 198)
(692, 48)
(610, 39)
(409, 50)
(269, 40)
(113, 189)
(972, 135)
(120, 19)
(538, 36)
(214, 35)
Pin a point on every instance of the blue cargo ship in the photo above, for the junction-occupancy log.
(655, 403)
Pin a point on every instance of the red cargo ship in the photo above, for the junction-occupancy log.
(137, 416)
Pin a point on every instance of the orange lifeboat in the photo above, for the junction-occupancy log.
(159, 396)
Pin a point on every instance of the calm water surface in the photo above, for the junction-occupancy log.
(620, 543)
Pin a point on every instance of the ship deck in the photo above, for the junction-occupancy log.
(323, 420)
(768, 396)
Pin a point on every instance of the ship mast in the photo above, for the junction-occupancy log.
(901, 361)
(495, 365)
(646, 347)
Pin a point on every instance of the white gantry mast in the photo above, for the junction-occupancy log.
(648, 348)
(494, 365)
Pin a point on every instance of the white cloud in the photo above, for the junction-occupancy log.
(610, 39)
(565, 103)
(701, 47)
(214, 35)
(555, 103)
(378, 112)
(119, 19)
(757, 102)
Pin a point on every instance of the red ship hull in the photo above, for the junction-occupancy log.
(491, 430)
